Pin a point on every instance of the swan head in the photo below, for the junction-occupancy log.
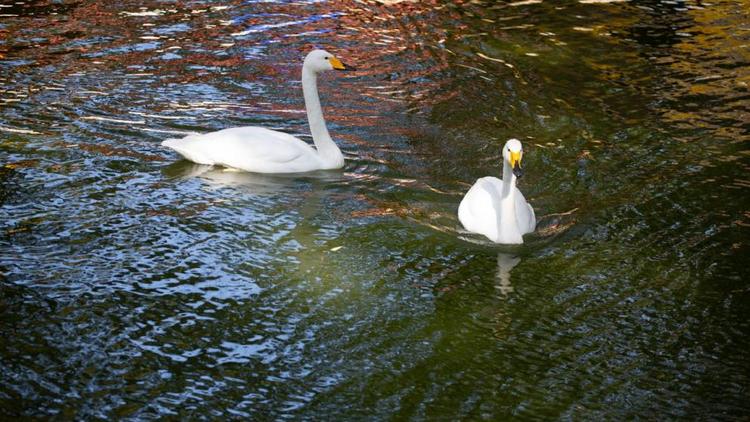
(321, 60)
(512, 154)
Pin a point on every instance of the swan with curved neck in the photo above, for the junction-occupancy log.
(261, 150)
(496, 208)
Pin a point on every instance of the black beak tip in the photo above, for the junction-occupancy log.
(348, 68)
(517, 171)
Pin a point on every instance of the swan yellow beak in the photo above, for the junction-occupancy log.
(338, 65)
(515, 163)
(515, 158)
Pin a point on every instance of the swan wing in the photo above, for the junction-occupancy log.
(251, 148)
(524, 213)
(480, 206)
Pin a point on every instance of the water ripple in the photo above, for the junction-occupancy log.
(139, 286)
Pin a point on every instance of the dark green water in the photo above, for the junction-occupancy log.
(136, 286)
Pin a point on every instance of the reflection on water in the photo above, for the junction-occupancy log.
(505, 264)
(250, 182)
(133, 286)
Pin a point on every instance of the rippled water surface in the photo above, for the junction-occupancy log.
(135, 285)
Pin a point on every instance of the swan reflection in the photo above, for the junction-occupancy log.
(257, 182)
(505, 263)
(502, 314)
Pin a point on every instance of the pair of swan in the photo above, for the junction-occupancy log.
(492, 207)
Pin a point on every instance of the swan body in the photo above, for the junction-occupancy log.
(496, 208)
(254, 149)
(261, 150)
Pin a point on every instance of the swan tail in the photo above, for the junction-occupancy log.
(170, 143)
(182, 147)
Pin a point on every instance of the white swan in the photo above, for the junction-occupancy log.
(262, 150)
(496, 208)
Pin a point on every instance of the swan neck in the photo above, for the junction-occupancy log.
(327, 149)
(509, 180)
(507, 225)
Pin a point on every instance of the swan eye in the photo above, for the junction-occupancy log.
(328, 57)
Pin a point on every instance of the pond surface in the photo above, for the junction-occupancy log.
(135, 285)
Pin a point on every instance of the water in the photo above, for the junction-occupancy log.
(134, 285)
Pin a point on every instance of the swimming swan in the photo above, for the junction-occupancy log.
(262, 150)
(496, 208)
